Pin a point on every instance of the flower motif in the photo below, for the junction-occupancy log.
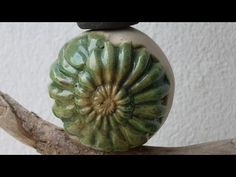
(112, 98)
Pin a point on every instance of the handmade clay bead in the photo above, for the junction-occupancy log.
(112, 89)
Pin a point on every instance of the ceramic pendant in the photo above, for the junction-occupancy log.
(113, 90)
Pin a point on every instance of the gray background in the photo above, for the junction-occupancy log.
(203, 57)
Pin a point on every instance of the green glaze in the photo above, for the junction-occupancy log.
(112, 98)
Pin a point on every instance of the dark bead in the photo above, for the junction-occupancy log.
(105, 25)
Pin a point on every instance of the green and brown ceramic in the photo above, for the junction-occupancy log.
(111, 96)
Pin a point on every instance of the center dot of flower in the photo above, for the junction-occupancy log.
(104, 102)
(107, 107)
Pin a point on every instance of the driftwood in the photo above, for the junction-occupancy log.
(49, 139)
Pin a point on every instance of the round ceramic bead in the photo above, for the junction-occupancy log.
(112, 89)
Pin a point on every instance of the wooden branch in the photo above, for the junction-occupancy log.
(49, 139)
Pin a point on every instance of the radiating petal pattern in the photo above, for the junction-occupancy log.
(112, 98)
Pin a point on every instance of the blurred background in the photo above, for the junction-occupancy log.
(202, 55)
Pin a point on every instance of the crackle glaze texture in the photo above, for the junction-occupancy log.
(112, 97)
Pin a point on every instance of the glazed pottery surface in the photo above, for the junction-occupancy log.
(112, 89)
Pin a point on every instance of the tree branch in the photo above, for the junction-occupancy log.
(47, 138)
